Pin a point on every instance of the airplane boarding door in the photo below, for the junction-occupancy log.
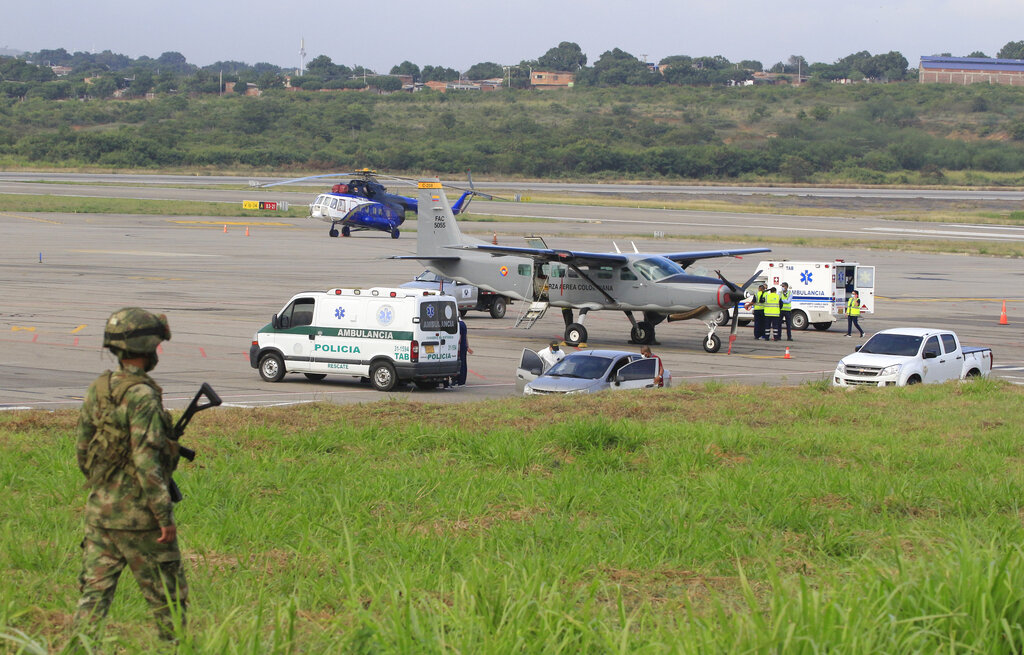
(864, 282)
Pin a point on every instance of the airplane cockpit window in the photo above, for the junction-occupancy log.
(657, 268)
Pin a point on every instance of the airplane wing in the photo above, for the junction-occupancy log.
(550, 254)
(684, 259)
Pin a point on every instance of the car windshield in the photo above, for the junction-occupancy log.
(427, 276)
(904, 345)
(657, 268)
(583, 366)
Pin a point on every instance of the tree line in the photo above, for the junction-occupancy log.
(104, 74)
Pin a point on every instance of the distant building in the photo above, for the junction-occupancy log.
(551, 79)
(61, 71)
(971, 70)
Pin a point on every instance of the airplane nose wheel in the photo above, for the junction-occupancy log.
(333, 232)
(712, 343)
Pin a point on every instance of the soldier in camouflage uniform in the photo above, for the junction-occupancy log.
(126, 452)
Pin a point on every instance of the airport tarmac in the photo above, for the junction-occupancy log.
(63, 274)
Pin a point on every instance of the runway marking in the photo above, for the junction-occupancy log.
(238, 223)
(15, 407)
(23, 328)
(31, 218)
(888, 299)
(144, 253)
(947, 233)
(79, 328)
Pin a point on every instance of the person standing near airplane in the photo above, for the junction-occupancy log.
(787, 310)
(853, 314)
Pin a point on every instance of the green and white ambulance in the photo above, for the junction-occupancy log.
(390, 336)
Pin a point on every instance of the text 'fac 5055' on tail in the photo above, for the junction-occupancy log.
(363, 203)
(656, 286)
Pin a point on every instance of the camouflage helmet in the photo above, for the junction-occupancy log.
(135, 331)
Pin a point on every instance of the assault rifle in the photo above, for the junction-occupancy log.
(212, 400)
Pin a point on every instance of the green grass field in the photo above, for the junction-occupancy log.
(702, 519)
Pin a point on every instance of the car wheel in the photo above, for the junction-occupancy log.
(575, 334)
(315, 377)
(383, 377)
(799, 320)
(272, 367)
(498, 308)
(345, 231)
(642, 333)
(712, 343)
(824, 325)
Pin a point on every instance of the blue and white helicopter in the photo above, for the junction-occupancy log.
(363, 203)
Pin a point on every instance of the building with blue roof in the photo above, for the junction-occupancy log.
(971, 70)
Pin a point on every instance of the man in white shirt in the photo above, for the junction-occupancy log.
(551, 355)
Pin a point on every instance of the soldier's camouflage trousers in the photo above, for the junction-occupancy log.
(157, 568)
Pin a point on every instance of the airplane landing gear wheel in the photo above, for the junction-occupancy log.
(712, 343)
(575, 334)
(345, 232)
(333, 232)
(642, 333)
(394, 233)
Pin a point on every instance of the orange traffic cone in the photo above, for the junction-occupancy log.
(246, 230)
(786, 356)
(1002, 317)
(225, 228)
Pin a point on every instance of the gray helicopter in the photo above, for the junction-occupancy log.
(655, 285)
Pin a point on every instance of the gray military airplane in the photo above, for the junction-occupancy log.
(655, 284)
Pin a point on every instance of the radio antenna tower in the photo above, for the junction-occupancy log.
(302, 56)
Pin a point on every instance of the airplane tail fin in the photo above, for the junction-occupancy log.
(436, 227)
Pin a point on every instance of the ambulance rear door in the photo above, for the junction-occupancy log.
(864, 282)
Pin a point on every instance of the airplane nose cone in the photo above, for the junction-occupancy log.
(727, 298)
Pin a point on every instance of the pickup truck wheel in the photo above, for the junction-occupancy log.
(271, 367)
(575, 334)
(913, 380)
(383, 377)
(498, 308)
(973, 374)
(315, 377)
(824, 325)
(463, 312)
(799, 320)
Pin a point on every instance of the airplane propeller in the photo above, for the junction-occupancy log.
(736, 294)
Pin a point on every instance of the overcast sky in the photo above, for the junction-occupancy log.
(460, 33)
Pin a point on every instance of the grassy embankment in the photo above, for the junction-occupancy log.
(702, 519)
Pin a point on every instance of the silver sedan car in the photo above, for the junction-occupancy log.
(588, 371)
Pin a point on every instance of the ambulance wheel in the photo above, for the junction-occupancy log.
(315, 377)
(395, 233)
(498, 308)
(272, 367)
(712, 343)
(799, 320)
(642, 333)
(333, 232)
(383, 377)
(721, 318)
(575, 334)
(824, 325)
(345, 232)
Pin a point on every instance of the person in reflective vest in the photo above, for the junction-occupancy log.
(787, 308)
(758, 310)
(853, 314)
(773, 314)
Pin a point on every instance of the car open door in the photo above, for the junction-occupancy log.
(529, 369)
(637, 375)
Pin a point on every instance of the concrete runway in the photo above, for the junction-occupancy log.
(63, 274)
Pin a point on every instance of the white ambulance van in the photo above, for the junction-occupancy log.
(390, 336)
(819, 290)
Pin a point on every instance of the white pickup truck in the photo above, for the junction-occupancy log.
(903, 356)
